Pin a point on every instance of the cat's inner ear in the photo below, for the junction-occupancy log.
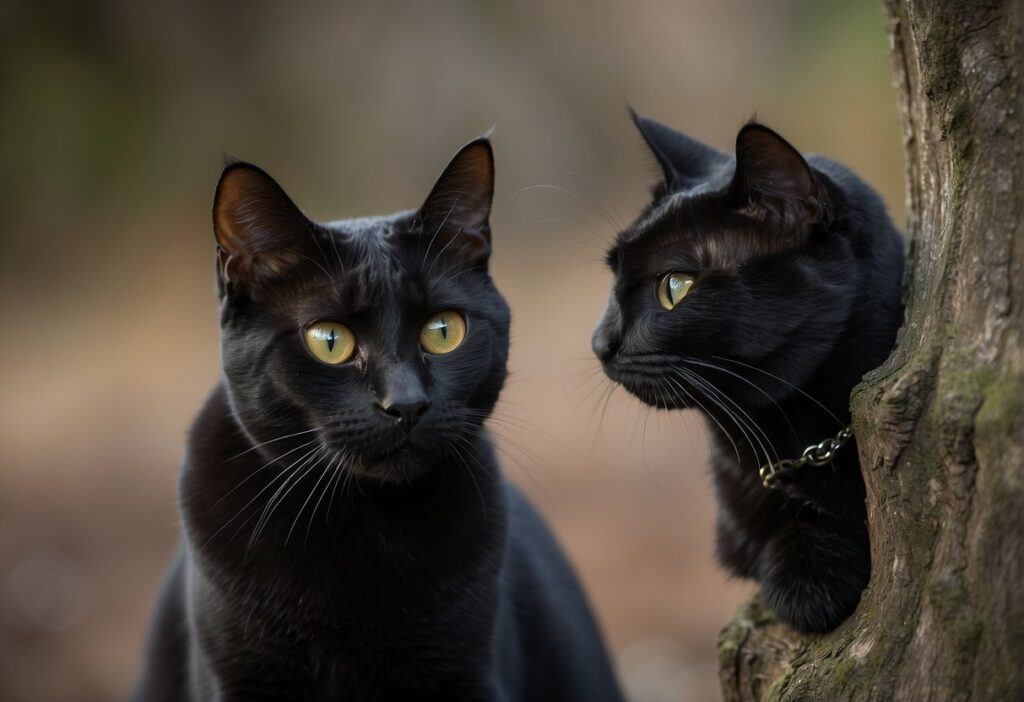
(456, 214)
(684, 162)
(260, 232)
(772, 180)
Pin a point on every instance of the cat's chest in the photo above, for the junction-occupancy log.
(738, 487)
(809, 493)
(334, 644)
(322, 597)
(342, 602)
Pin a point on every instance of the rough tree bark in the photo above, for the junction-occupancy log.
(940, 426)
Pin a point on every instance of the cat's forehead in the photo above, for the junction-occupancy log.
(675, 204)
(354, 266)
(372, 266)
(666, 221)
(687, 229)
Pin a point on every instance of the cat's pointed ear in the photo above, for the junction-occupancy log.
(457, 211)
(773, 179)
(260, 232)
(683, 161)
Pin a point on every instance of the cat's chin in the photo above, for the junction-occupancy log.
(404, 464)
(650, 393)
(656, 398)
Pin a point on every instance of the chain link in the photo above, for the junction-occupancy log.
(820, 454)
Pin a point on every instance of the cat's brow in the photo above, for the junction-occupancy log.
(324, 286)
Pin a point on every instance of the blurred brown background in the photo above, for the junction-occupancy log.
(114, 117)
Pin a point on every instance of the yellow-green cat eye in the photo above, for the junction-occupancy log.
(672, 288)
(443, 332)
(330, 342)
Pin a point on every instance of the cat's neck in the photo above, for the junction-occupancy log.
(777, 431)
(768, 431)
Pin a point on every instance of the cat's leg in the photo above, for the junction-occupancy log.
(813, 577)
(736, 549)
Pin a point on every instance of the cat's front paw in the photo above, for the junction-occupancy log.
(812, 579)
(807, 606)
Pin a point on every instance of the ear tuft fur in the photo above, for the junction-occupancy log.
(458, 209)
(773, 180)
(684, 162)
(259, 230)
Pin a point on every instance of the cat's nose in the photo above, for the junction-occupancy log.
(603, 344)
(607, 337)
(407, 412)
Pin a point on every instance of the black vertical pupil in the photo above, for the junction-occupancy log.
(330, 341)
(443, 328)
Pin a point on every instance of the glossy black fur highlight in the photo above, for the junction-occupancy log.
(338, 545)
(798, 281)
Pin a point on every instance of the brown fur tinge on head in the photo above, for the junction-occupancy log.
(705, 232)
(726, 211)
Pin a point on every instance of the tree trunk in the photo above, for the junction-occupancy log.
(941, 425)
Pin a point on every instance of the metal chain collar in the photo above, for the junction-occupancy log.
(819, 454)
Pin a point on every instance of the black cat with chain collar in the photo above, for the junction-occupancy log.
(759, 288)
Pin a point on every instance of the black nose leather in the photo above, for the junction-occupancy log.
(607, 337)
(406, 412)
(603, 346)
